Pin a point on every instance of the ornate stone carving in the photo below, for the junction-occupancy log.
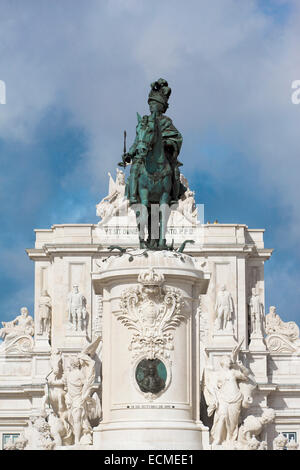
(292, 445)
(279, 344)
(227, 391)
(38, 435)
(17, 334)
(97, 317)
(152, 312)
(282, 337)
(251, 429)
(280, 442)
(44, 318)
(203, 321)
(77, 312)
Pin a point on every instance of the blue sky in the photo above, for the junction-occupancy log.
(76, 73)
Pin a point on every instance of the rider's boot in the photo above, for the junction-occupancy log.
(133, 189)
(175, 190)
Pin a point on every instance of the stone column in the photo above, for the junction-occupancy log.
(150, 352)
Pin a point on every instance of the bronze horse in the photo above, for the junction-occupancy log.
(154, 183)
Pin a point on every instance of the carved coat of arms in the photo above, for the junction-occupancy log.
(152, 311)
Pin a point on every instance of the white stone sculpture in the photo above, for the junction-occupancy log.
(77, 310)
(83, 407)
(54, 398)
(224, 310)
(38, 435)
(280, 442)
(186, 207)
(282, 337)
(44, 313)
(69, 401)
(263, 445)
(152, 311)
(251, 429)
(256, 311)
(114, 202)
(17, 334)
(226, 397)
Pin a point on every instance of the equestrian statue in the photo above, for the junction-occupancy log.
(154, 180)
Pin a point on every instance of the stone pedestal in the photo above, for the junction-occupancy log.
(75, 339)
(259, 365)
(150, 355)
(41, 343)
(257, 343)
(224, 338)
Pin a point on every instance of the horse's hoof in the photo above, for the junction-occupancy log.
(133, 200)
(162, 245)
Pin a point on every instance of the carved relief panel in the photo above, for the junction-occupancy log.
(152, 311)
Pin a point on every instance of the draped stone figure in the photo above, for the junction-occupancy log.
(22, 325)
(274, 324)
(227, 391)
(17, 334)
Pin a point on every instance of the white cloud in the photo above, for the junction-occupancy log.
(230, 67)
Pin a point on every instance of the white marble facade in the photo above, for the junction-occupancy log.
(218, 331)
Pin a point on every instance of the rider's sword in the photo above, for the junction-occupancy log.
(124, 151)
(124, 142)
